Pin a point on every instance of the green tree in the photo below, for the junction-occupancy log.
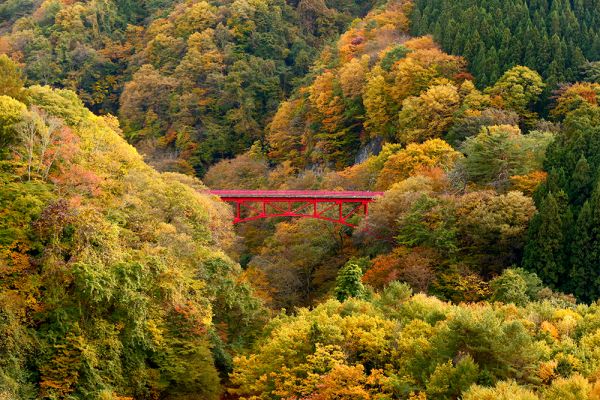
(499, 152)
(449, 381)
(431, 222)
(546, 252)
(585, 251)
(132, 313)
(581, 182)
(515, 286)
(583, 274)
(392, 56)
(555, 38)
(11, 112)
(560, 238)
(11, 79)
(492, 228)
(591, 72)
(348, 282)
(519, 88)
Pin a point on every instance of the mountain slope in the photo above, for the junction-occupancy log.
(193, 81)
(556, 38)
(114, 281)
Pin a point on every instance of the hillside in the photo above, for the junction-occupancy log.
(476, 180)
(114, 278)
(192, 81)
(559, 39)
(474, 276)
(403, 346)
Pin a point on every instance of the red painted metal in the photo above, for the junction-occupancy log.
(331, 206)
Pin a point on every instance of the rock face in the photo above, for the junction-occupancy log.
(372, 148)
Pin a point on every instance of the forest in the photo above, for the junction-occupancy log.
(475, 276)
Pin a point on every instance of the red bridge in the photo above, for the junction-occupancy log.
(336, 207)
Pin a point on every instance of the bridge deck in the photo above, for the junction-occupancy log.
(294, 194)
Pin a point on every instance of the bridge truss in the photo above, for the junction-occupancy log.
(337, 207)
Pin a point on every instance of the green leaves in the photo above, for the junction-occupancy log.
(515, 286)
(546, 252)
(348, 282)
(519, 88)
(11, 79)
(11, 113)
(106, 267)
(500, 152)
(430, 222)
(495, 36)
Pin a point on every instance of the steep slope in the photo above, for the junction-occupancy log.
(556, 38)
(460, 166)
(113, 278)
(344, 104)
(204, 76)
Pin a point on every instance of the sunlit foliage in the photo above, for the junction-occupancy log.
(113, 277)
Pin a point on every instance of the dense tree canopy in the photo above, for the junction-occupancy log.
(113, 278)
(403, 346)
(556, 38)
(474, 275)
(193, 81)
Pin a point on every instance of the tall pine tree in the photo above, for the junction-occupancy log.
(546, 252)
(582, 271)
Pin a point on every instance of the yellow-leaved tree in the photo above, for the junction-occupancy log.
(434, 153)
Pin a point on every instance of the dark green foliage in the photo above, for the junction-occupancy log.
(554, 38)
(563, 236)
(348, 282)
(591, 72)
(580, 183)
(392, 56)
(546, 252)
(583, 273)
(585, 251)
(516, 286)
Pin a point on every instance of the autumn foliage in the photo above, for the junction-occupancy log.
(473, 276)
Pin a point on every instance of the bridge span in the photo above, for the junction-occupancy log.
(333, 206)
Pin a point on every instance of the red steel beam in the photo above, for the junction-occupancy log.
(248, 199)
(298, 194)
